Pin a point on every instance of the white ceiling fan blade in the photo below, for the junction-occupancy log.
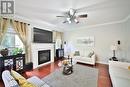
(65, 21)
(60, 16)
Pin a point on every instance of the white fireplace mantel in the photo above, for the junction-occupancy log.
(41, 46)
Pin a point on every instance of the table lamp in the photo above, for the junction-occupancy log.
(114, 48)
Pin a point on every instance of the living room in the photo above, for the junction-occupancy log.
(65, 43)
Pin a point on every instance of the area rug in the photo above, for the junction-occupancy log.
(82, 76)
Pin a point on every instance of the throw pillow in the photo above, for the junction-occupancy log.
(77, 53)
(129, 67)
(90, 54)
(21, 80)
(16, 75)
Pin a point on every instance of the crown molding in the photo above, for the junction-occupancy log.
(43, 24)
(37, 23)
(127, 18)
(103, 24)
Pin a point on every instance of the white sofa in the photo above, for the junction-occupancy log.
(84, 58)
(119, 73)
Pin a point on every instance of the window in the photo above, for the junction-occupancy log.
(58, 43)
(11, 40)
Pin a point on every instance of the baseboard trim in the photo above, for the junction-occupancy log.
(101, 62)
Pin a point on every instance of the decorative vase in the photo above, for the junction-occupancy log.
(4, 52)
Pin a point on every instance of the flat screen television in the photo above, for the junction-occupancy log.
(42, 36)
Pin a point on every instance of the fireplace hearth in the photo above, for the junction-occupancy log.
(44, 56)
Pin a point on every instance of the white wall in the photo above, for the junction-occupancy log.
(105, 36)
(128, 38)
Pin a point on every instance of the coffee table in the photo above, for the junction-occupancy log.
(68, 68)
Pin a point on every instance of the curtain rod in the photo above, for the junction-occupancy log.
(15, 20)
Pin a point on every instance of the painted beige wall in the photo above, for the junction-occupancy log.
(105, 36)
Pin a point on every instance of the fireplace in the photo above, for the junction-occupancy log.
(41, 47)
(43, 56)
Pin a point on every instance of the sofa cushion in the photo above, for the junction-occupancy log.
(8, 80)
(120, 72)
(85, 52)
(121, 82)
(16, 75)
(21, 80)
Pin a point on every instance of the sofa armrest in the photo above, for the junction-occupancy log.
(119, 64)
(8, 80)
(93, 56)
(94, 59)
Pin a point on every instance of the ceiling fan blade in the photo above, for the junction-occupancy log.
(65, 21)
(83, 16)
(60, 16)
(77, 22)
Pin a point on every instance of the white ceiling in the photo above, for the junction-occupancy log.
(99, 11)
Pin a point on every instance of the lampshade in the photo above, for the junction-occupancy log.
(113, 47)
(69, 50)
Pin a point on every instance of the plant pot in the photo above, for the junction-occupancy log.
(4, 52)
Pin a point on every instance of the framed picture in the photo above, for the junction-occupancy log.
(89, 41)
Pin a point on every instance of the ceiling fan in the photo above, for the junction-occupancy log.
(70, 16)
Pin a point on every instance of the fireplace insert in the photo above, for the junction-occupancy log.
(43, 56)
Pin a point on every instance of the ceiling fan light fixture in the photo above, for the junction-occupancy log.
(71, 17)
(69, 22)
(71, 11)
(68, 19)
(75, 20)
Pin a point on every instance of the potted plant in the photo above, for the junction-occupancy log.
(17, 51)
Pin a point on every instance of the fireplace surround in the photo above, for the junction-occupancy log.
(38, 47)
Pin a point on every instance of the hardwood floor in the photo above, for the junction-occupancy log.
(103, 75)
